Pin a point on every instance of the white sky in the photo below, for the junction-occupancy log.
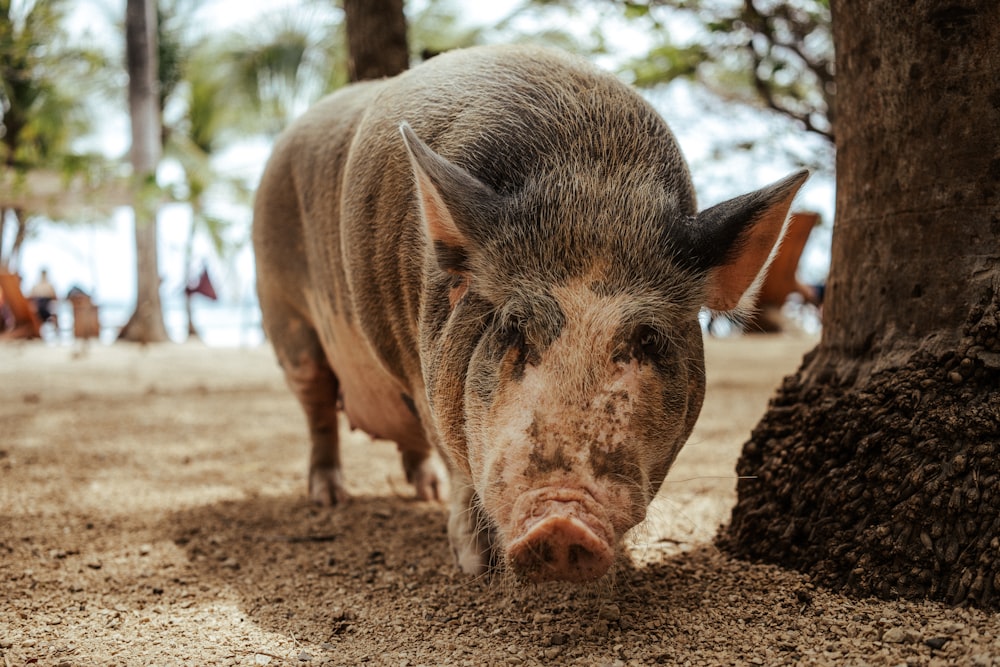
(101, 259)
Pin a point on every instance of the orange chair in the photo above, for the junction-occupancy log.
(26, 324)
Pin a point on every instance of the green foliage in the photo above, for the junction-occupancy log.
(41, 82)
(772, 53)
(442, 25)
(44, 79)
(284, 65)
(776, 54)
(439, 28)
(666, 62)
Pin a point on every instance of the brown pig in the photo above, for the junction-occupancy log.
(498, 255)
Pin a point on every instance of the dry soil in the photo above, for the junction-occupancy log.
(153, 512)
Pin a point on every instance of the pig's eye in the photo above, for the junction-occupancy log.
(513, 338)
(648, 344)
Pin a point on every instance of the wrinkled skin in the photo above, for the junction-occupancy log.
(498, 255)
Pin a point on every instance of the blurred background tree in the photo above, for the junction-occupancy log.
(376, 38)
(749, 78)
(146, 324)
(778, 55)
(44, 79)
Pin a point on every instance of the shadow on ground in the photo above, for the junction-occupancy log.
(308, 572)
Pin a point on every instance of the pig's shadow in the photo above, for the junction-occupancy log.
(304, 570)
(326, 576)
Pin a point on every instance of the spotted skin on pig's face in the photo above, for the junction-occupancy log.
(576, 412)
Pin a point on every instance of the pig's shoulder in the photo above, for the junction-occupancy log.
(336, 114)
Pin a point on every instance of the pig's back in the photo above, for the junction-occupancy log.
(505, 114)
(296, 210)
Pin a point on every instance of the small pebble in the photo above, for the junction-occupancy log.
(937, 642)
(895, 636)
(610, 612)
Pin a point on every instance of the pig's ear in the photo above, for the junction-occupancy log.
(454, 204)
(737, 239)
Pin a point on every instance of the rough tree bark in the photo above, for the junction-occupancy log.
(146, 323)
(376, 38)
(877, 466)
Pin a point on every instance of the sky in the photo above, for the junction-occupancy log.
(101, 258)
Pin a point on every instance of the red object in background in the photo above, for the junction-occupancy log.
(203, 287)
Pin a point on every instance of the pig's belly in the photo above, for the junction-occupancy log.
(373, 399)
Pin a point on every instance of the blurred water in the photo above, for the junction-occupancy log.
(219, 324)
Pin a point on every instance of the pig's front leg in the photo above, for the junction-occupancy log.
(469, 529)
(315, 385)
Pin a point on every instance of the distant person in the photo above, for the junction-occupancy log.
(43, 295)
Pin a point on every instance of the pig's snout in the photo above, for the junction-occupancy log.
(561, 540)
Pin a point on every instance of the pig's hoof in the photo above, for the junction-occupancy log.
(560, 548)
(427, 479)
(326, 487)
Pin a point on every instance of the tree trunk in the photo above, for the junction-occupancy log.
(376, 38)
(10, 259)
(146, 323)
(20, 235)
(877, 466)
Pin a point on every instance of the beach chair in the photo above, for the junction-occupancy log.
(86, 316)
(26, 324)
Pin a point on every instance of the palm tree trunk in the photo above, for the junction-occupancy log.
(877, 466)
(376, 38)
(146, 323)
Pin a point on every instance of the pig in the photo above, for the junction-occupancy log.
(497, 255)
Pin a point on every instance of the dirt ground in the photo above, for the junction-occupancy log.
(153, 512)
